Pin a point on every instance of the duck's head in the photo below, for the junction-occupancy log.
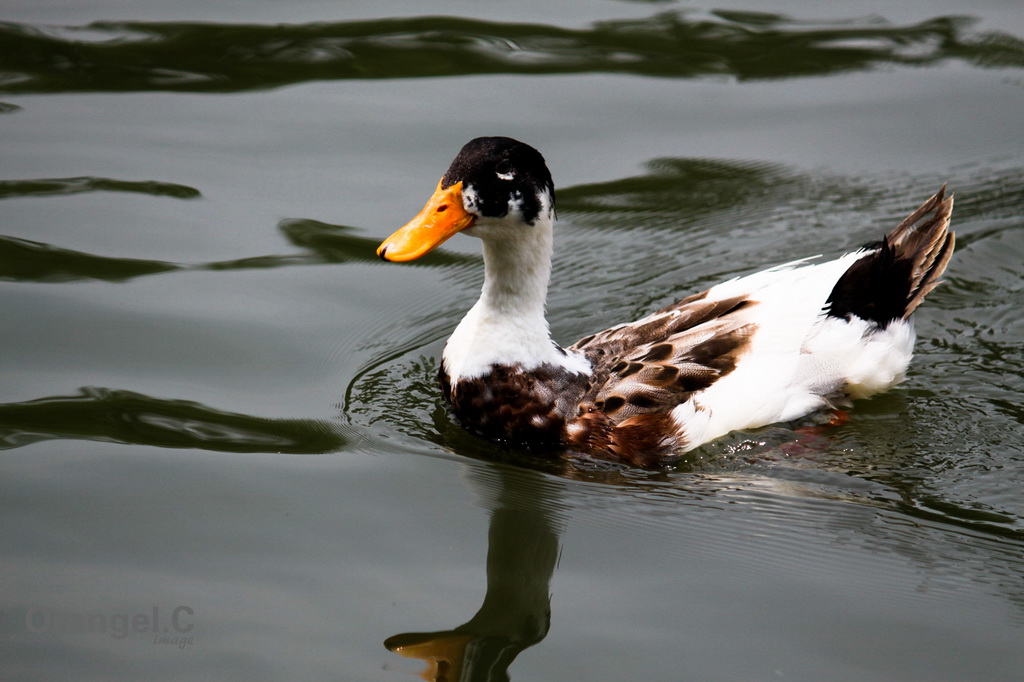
(496, 187)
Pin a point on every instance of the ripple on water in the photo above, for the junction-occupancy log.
(927, 473)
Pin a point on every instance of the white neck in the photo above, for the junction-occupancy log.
(507, 326)
(517, 269)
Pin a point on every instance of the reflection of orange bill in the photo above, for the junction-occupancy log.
(441, 218)
(444, 652)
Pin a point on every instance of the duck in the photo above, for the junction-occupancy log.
(768, 347)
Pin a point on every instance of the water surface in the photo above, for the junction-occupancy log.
(217, 403)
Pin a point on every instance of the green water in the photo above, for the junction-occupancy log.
(217, 403)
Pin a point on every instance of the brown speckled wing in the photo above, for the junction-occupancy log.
(643, 370)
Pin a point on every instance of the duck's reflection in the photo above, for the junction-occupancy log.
(523, 547)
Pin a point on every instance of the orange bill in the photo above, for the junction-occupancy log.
(441, 218)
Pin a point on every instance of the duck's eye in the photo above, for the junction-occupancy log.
(504, 170)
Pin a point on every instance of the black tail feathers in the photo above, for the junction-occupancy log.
(895, 275)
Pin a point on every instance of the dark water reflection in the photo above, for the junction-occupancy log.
(133, 419)
(22, 260)
(523, 544)
(198, 57)
(67, 186)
